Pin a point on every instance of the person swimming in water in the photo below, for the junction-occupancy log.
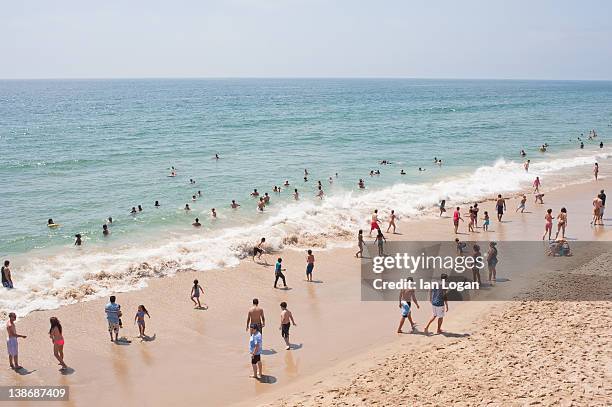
(234, 205)
(261, 205)
(156, 204)
(196, 223)
(78, 240)
(213, 213)
(402, 172)
(139, 208)
(105, 231)
(320, 193)
(187, 208)
(296, 194)
(133, 211)
(255, 193)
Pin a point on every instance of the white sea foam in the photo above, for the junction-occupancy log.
(48, 280)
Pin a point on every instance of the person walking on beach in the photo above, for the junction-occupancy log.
(549, 224)
(256, 317)
(487, 221)
(527, 165)
(602, 196)
(475, 209)
(472, 216)
(374, 223)
(596, 212)
(439, 304)
(476, 269)
(57, 338)
(492, 262)
(139, 319)
(596, 171)
(380, 240)
(406, 296)
(310, 260)
(500, 205)
(11, 341)
(196, 290)
(536, 185)
(286, 318)
(258, 250)
(255, 347)
(278, 272)
(442, 206)
(522, 204)
(113, 315)
(392, 222)
(456, 218)
(7, 280)
(561, 223)
(359, 243)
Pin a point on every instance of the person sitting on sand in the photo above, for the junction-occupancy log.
(196, 290)
(406, 297)
(286, 319)
(439, 304)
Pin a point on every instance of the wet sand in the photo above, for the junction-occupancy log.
(201, 356)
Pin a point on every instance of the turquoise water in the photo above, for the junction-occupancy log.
(78, 151)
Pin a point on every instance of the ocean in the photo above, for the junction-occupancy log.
(79, 151)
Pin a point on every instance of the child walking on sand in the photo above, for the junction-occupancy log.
(487, 221)
(286, 318)
(309, 265)
(359, 243)
(139, 319)
(196, 290)
(380, 239)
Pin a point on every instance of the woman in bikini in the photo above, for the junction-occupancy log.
(392, 222)
(139, 319)
(549, 224)
(561, 223)
(55, 333)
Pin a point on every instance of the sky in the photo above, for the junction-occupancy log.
(513, 39)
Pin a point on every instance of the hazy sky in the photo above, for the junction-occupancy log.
(306, 38)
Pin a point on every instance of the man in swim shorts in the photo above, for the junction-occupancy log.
(286, 320)
(258, 249)
(255, 347)
(309, 265)
(113, 315)
(500, 205)
(256, 316)
(405, 297)
(11, 341)
(439, 304)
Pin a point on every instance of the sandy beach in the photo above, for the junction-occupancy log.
(346, 351)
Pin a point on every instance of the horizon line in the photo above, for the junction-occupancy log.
(93, 78)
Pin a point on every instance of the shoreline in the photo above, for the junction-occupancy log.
(97, 270)
(334, 326)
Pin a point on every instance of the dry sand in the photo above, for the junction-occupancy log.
(201, 356)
